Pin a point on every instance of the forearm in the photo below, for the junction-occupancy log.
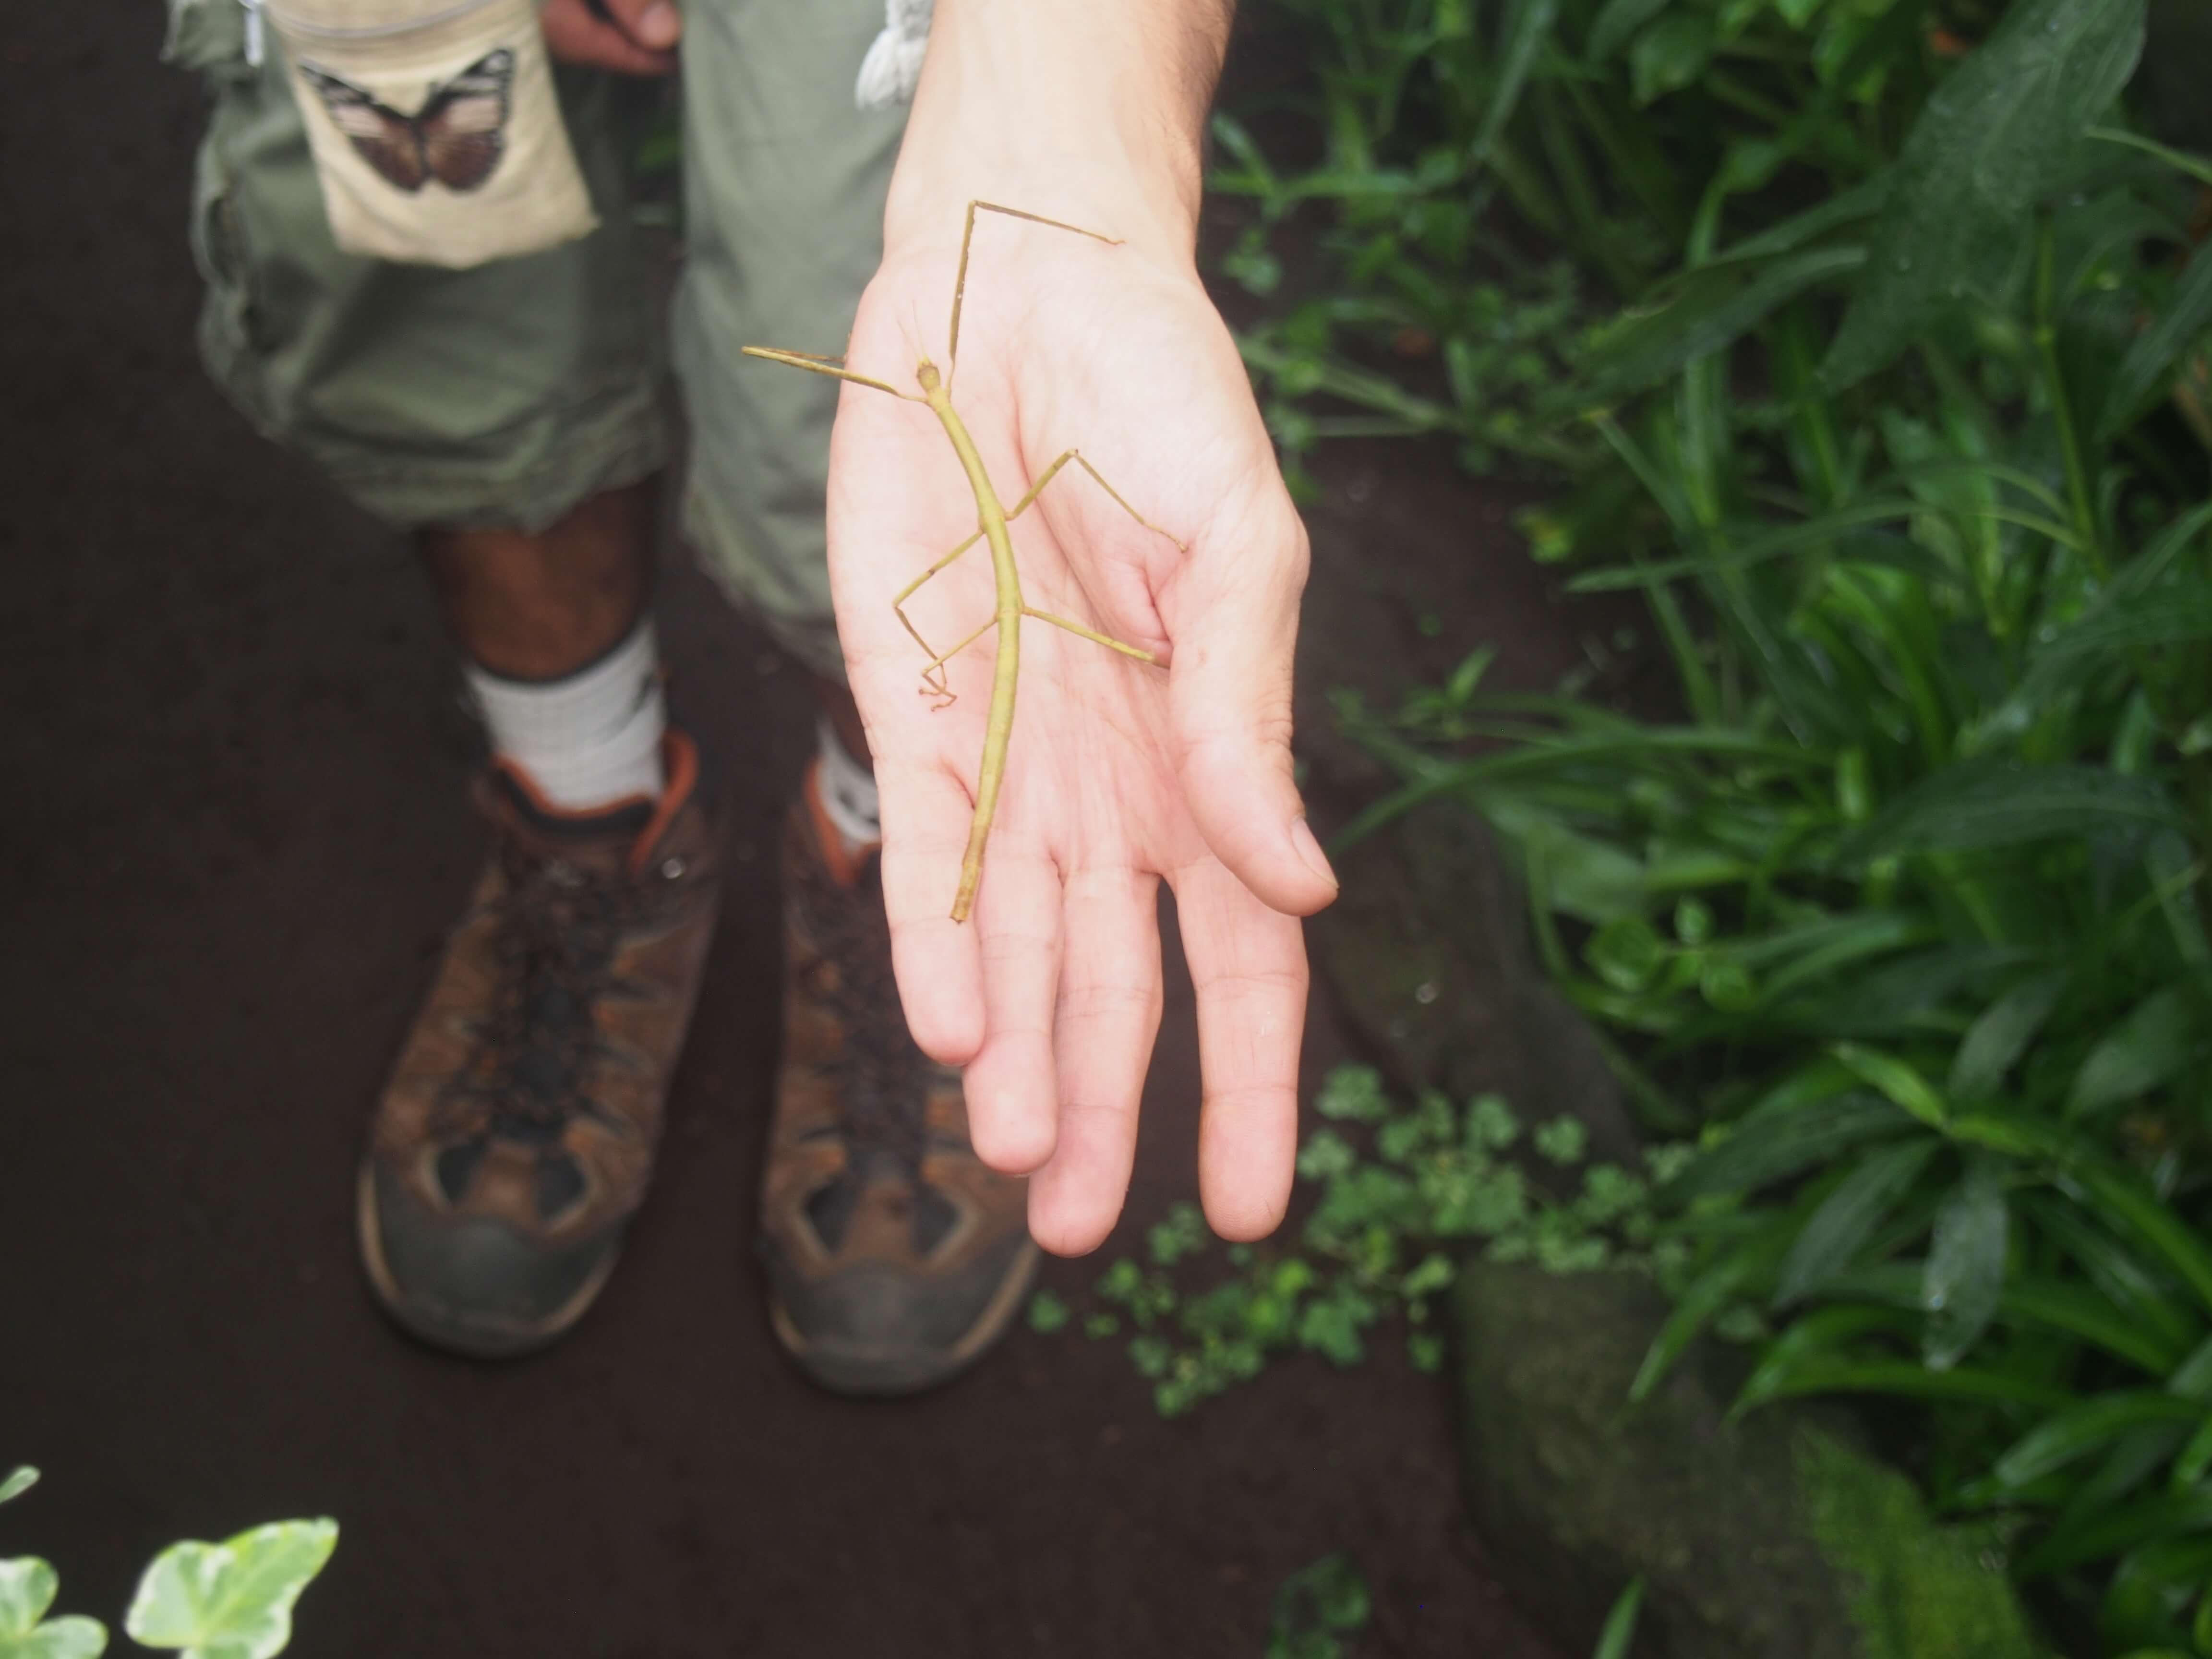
(1088, 112)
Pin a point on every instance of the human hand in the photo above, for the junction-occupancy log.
(1120, 774)
(630, 37)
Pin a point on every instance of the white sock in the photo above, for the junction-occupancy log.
(848, 793)
(589, 739)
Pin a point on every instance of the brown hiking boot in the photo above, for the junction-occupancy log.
(894, 1257)
(516, 1132)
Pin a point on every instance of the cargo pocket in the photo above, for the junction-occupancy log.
(209, 37)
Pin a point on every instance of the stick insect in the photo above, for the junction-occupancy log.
(992, 518)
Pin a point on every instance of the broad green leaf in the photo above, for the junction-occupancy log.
(2001, 1034)
(1669, 54)
(2087, 1426)
(1896, 1078)
(18, 1483)
(231, 1600)
(1832, 1236)
(1616, 24)
(1618, 1635)
(1987, 803)
(1993, 137)
(2125, 1202)
(2148, 365)
(2153, 1045)
(1770, 1148)
(1965, 1280)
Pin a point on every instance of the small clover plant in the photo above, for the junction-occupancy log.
(1407, 1191)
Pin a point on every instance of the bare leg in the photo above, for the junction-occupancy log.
(537, 607)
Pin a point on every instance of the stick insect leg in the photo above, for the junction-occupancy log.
(907, 592)
(824, 366)
(941, 687)
(1110, 643)
(960, 280)
(937, 686)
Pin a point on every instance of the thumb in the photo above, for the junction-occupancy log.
(655, 25)
(1229, 691)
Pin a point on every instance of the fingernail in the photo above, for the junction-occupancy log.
(1309, 853)
(659, 25)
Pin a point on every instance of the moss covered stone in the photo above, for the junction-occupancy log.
(1774, 1535)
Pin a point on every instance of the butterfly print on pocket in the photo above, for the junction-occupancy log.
(457, 137)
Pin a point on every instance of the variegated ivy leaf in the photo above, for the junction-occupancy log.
(27, 1590)
(231, 1600)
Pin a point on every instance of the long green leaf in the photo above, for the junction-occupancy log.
(2154, 1044)
(1833, 1234)
(1707, 1294)
(2127, 1203)
(2149, 362)
(1965, 1280)
(1767, 1149)
(2087, 1426)
(1998, 1038)
(1709, 309)
(1988, 803)
(1903, 1378)
(1618, 1635)
(1527, 27)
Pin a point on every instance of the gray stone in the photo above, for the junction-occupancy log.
(1774, 1535)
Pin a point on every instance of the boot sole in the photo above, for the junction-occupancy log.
(472, 1338)
(874, 1373)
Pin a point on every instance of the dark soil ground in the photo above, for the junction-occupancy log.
(238, 764)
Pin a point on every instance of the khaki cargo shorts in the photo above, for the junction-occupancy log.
(503, 395)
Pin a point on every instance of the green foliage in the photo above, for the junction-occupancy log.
(1924, 1591)
(1315, 1608)
(1896, 417)
(229, 1600)
(1401, 1191)
(1618, 1639)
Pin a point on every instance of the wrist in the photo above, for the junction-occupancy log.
(1091, 114)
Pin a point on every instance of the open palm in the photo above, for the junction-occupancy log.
(1120, 774)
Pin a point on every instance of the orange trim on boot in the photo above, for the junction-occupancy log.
(681, 757)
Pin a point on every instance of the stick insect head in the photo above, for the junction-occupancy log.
(924, 373)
